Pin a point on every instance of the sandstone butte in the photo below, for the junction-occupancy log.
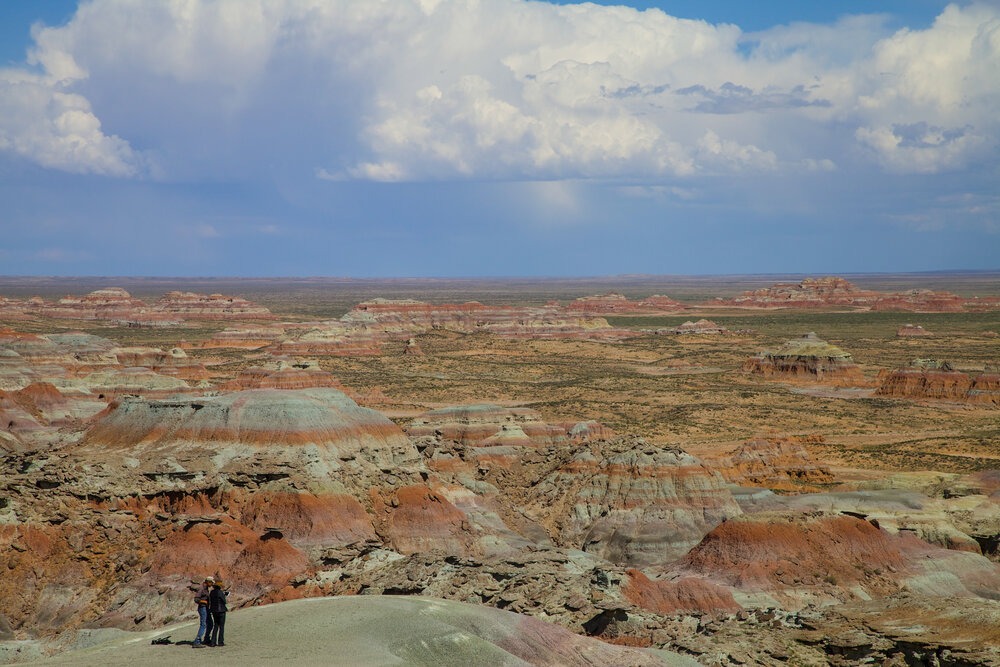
(810, 359)
(116, 305)
(931, 379)
(833, 291)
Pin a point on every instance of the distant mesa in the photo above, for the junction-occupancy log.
(807, 358)
(114, 304)
(413, 348)
(939, 380)
(406, 317)
(364, 330)
(925, 301)
(618, 304)
(833, 292)
(808, 293)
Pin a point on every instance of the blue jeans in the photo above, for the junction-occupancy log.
(205, 623)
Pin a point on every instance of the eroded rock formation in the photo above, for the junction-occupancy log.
(938, 380)
(807, 358)
(774, 463)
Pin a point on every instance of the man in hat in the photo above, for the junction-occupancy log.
(204, 617)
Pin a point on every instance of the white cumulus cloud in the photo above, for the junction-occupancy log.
(408, 90)
(42, 122)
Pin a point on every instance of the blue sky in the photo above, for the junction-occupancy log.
(498, 138)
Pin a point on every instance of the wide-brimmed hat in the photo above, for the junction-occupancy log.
(210, 578)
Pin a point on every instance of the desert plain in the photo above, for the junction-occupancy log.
(732, 470)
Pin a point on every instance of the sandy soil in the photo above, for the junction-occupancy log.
(370, 630)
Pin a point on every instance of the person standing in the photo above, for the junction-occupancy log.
(204, 617)
(217, 608)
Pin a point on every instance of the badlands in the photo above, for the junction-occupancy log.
(627, 471)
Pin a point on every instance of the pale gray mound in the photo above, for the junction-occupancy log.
(373, 630)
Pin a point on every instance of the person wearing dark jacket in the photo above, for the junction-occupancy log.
(204, 618)
(217, 608)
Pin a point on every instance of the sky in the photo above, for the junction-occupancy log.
(486, 138)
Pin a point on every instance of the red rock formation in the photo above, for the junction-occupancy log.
(306, 518)
(420, 520)
(285, 375)
(775, 463)
(806, 558)
(39, 416)
(631, 503)
(174, 362)
(928, 379)
(762, 552)
(192, 306)
(807, 358)
(588, 431)
(985, 389)
(688, 595)
(921, 301)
